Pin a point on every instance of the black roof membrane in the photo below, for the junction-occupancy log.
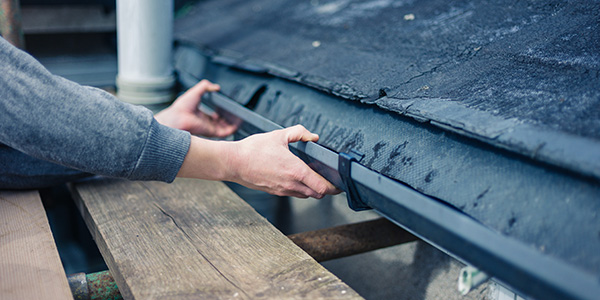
(523, 76)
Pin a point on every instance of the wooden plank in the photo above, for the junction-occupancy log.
(30, 267)
(196, 239)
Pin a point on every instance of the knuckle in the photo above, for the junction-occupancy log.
(204, 84)
(322, 190)
(281, 193)
(288, 187)
(300, 127)
(278, 191)
(296, 128)
(299, 175)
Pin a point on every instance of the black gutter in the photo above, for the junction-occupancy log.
(523, 268)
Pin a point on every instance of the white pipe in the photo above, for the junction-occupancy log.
(145, 41)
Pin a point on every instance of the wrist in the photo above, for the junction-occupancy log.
(164, 117)
(207, 159)
(230, 161)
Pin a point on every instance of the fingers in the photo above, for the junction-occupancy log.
(314, 184)
(301, 190)
(318, 185)
(184, 114)
(223, 129)
(191, 98)
(214, 126)
(299, 133)
(264, 162)
(298, 190)
(203, 86)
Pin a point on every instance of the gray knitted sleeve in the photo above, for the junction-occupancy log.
(83, 128)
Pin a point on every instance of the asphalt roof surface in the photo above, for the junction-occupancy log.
(519, 75)
(522, 76)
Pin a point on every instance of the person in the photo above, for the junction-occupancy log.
(53, 130)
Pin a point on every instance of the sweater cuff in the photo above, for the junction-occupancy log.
(163, 154)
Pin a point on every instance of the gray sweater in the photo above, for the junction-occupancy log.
(53, 130)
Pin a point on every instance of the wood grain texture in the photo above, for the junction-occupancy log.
(196, 239)
(30, 267)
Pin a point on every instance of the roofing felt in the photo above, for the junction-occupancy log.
(519, 75)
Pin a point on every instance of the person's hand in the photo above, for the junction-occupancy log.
(184, 114)
(264, 162)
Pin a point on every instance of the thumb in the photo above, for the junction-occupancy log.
(204, 86)
(191, 98)
(299, 133)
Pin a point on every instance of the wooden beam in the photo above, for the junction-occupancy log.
(68, 19)
(351, 239)
(30, 267)
(196, 239)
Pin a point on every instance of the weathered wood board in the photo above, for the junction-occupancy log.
(196, 239)
(30, 267)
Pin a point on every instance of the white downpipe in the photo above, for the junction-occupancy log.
(145, 41)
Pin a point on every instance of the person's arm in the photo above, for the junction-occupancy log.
(82, 128)
(261, 161)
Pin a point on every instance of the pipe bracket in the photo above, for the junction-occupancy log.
(344, 168)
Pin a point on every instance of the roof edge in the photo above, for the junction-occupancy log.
(567, 151)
